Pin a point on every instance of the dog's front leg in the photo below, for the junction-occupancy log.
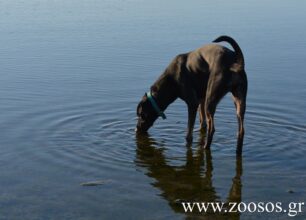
(192, 112)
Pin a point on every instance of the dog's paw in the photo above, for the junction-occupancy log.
(206, 146)
(201, 129)
(203, 125)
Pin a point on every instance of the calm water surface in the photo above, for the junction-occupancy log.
(72, 73)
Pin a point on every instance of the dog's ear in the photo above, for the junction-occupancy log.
(139, 106)
(153, 90)
(144, 97)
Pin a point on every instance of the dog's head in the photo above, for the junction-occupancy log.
(146, 115)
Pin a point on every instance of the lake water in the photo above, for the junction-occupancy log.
(72, 74)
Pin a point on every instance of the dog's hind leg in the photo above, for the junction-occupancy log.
(210, 108)
(217, 88)
(239, 97)
(202, 115)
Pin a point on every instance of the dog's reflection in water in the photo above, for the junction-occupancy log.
(191, 182)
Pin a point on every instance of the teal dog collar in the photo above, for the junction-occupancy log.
(155, 106)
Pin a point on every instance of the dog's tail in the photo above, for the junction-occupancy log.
(239, 56)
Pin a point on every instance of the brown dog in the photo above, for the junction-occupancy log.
(201, 78)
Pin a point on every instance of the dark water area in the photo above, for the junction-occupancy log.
(72, 74)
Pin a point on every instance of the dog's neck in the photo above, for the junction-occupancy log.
(164, 92)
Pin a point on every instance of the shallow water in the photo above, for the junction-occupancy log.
(73, 73)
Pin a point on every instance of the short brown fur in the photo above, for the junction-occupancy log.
(201, 78)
